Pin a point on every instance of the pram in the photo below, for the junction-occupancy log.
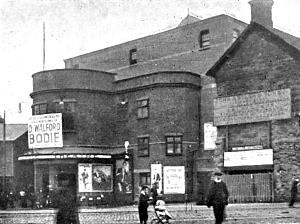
(162, 215)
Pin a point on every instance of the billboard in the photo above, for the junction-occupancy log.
(255, 107)
(94, 177)
(248, 158)
(210, 136)
(156, 175)
(45, 131)
(174, 180)
(123, 176)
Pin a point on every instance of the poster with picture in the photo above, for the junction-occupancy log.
(123, 176)
(94, 177)
(85, 177)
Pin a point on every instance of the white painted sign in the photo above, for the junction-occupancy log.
(248, 158)
(45, 131)
(174, 180)
(156, 175)
(210, 136)
(255, 107)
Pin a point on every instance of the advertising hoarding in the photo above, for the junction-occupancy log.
(174, 180)
(45, 131)
(156, 175)
(248, 158)
(93, 177)
(255, 107)
(210, 136)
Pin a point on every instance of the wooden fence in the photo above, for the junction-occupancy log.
(256, 187)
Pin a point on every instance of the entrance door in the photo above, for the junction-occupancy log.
(203, 180)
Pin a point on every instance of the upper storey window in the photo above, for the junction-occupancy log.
(204, 39)
(39, 108)
(68, 110)
(132, 56)
(143, 108)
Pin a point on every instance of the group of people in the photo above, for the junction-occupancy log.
(152, 197)
(217, 198)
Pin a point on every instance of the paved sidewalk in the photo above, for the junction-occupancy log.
(190, 214)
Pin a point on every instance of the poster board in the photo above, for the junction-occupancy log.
(45, 131)
(210, 136)
(255, 107)
(123, 177)
(156, 175)
(174, 180)
(94, 177)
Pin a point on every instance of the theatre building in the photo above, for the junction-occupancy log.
(151, 93)
(256, 112)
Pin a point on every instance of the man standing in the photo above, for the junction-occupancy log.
(218, 197)
(294, 191)
(143, 205)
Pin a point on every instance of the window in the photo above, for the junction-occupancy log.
(40, 108)
(76, 66)
(204, 39)
(235, 34)
(143, 108)
(173, 145)
(132, 56)
(145, 179)
(143, 146)
(67, 109)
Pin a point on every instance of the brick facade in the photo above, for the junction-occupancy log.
(263, 61)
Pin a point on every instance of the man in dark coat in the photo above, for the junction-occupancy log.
(143, 205)
(294, 191)
(218, 197)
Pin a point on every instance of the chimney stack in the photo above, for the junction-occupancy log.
(261, 12)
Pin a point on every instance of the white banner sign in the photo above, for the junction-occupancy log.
(45, 131)
(248, 158)
(156, 175)
(210, 136)
(174, 180)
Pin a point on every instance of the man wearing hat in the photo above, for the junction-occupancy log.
(218, 197)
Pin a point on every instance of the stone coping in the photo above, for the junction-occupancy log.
(29, 211)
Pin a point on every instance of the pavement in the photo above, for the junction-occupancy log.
(190, 213)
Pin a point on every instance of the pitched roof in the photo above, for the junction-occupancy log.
(13, 131)
(286, 39)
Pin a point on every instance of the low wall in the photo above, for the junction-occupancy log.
(43, 216)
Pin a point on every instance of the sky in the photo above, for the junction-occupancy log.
(75, 27)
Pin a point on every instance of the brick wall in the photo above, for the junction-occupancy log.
(261, 63)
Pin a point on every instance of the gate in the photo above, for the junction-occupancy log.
(256, 187)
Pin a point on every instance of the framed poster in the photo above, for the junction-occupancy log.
(123, 176)
(174, 180)
(156, 175)
(93, 177)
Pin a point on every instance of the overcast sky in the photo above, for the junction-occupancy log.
(75, 27)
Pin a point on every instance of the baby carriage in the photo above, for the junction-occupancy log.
(162, 215)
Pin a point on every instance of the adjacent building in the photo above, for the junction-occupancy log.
(256, 112)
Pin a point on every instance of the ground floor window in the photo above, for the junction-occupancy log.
(145, 179)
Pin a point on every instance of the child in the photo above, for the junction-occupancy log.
(143, 205)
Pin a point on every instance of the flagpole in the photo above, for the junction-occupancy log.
(44, 40)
